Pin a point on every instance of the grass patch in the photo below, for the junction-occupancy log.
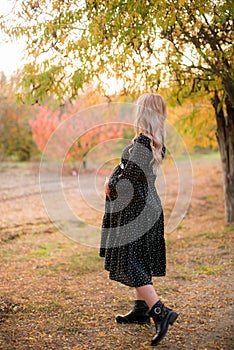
(229, 228)
(197, 269)
(207, 270)
(209, 155)
(210, 235)
(48, 307)
(79, 262)
(169, 242)
(7, 253)
(210, 198)
(44, 250)
(85, 263)
(182, 272)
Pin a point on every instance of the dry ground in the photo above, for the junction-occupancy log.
(56, 295)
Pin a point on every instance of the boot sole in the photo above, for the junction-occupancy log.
(123, 321)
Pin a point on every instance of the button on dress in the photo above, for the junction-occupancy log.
(132, 232)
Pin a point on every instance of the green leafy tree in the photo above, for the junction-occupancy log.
(15, 133)
(147, 44)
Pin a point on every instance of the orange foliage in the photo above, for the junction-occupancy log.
(48, 121)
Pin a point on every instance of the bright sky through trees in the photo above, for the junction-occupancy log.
(11, 52)
(11, 57)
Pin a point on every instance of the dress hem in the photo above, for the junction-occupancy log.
(135, 285)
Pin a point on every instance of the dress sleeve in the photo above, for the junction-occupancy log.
(137, 163)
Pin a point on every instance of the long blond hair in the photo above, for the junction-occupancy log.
(150, 120)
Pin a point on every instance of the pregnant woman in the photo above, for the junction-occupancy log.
(132, 234)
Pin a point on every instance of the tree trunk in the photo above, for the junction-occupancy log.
(84, 164)
(225, 138)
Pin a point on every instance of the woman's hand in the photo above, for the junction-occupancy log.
(106, 188)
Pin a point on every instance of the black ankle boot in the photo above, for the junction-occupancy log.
(137, 315)
(163, 317)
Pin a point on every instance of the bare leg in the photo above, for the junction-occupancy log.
(148, 294)
(138, 295)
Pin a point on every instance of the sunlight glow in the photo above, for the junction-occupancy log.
(111, 85)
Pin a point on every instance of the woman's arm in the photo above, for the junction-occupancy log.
(107, 188)
(137, 164)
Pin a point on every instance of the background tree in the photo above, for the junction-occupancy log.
(15, 133)
(200, 58)
(185, 45)
(47, 120)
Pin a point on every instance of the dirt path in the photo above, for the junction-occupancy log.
(56, 295)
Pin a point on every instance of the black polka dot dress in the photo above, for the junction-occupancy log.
(132, 233)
